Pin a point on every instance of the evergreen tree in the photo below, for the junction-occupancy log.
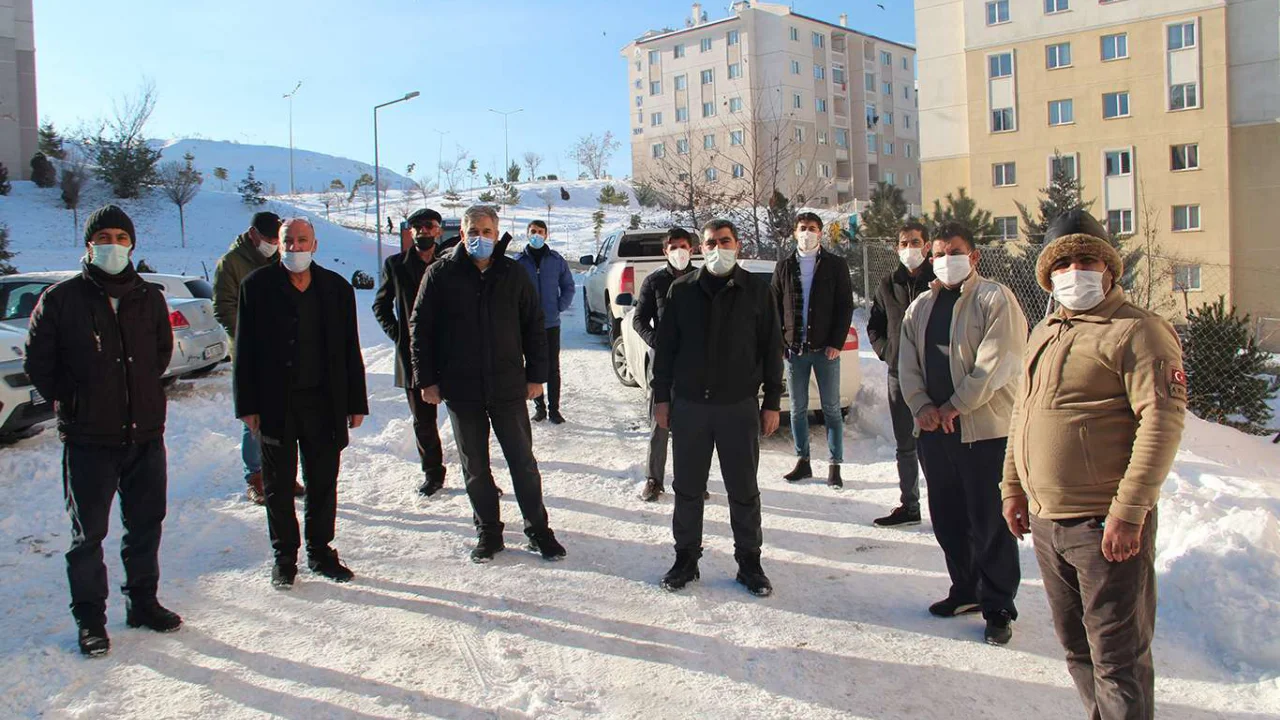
(1227, 378)
(221, 174)
(50, 142)
(597, 223)
(1064, 194)
(43, 173)
(509, 195)
(452, 200)
(962, 209)
(884, 215)
(487, 197)
(513, 172)
(6, 268)
(611, 196)
(634, 224)
(250, 189)
(337, 184)
(647, 196)
(5, 185)
(780, 221)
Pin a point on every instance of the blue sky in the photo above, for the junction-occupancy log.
(221, 69)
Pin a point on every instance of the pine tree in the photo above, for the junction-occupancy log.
(883, 217)
(1064, 194)
(780, 221)
(5, 185)
(250, 189)
(647, 196)
(6, 268)
(220, 173)
(509, 195)
(611, 196)
(50, 142)
(597, 223)
(1227, 379)
(513, 172)
(962, 209)
(43, 173)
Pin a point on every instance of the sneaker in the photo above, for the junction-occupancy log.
(683, 572)
(253, 489)
(901, 515)
(652, 489)
(488, 545)
(331, 567)
(833, 477)
(93, 640)
(152, 615)
(544, 541)
(999, 628)
(752, 575)
(298, 489)
(282, 576)
(539, 413)
(800, 472)
(556, 417)
(953, 608)
(433, 483)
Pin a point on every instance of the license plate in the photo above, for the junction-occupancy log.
(36, 398)
(214, 351)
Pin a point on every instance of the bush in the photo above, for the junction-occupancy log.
(647, 196)
(1226, 371)
(487, 197)
(361, 280)
(144, 267)
(552, 177)
(43, 173)
(609, 195)
(5, 185)
(5, 256)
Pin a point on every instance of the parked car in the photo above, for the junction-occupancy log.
(632, 361)
(199, 342)
(619, 267)
(21, 406)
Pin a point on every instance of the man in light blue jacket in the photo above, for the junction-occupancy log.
(554, 282)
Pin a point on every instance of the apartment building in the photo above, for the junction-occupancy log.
(767, 99)
(18, 119)
(1167, 111)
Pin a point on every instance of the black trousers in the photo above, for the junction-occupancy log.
(552, 395)
(427, 434)
(91, 476)
(904, 426)
(510, 422)
(733, 432)
(965, 506)
(309, 434)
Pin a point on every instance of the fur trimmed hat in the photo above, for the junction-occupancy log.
(1076, 233)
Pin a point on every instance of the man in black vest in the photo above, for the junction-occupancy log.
(97, 347)
(298, 381)
(401, 275)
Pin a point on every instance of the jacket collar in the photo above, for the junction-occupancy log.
(737, 278)
(902, 277)
(794, 255)
(1102, 313)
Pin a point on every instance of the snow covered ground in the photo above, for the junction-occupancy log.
(422, 632)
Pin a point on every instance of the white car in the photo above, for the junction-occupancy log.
(624, 260)
(632, 362)
(21, 406)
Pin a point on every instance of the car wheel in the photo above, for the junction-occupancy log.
(592, 327)
(620, 367)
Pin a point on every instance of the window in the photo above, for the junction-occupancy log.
(1006, 227)
(1120, 222)
(735, 71)
(886, 58)
(655, 87)
(735, 104)
(708, 142)
(911, 180)
(887, 87)
(837, 76)
(1056, 6)
(821, 104)
(890, 177)
(906, 149)
(682, 114)
(1058, 56)
(1002, 120)
(655, 119)
(1186, 217)
(735, 137)
(1185, 157)
(682, 82)
(732, 37)
(1186, 278)
(655, 57)
(678, 52)
(887, 117)
(822, 137)
(739, 171)
(659, 151)
(800, 134)
(708, 109)
(1115, 47)
(638, 66)
(796, 101)
(683, 177)
(711, 174)
(819, 40)
(682, 146)
(997, 12)
(1182, 35)
(800, 168)
(795, 67)
(639, 121)
(706, 45)
(639, 83)
(870, 82)
(871, 143)
(1004, 174)
(1062, 112)
(1183, 97)
(1119, 162)
(1063, 165)
(708, 77)
(842, 138)
(906, 92)
(1115, 105)
(824, 170)
(795, 35)
(888, 148)
(906, 63)
(906, 121)
(639, 101)
(1000, 65)
(819, 72)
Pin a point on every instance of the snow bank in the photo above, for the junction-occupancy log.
(312, 171)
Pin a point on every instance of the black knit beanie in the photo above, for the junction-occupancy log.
(108, 217)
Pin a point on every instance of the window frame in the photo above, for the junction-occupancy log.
(677, 52)
(1192, 88)
(1124, 159)
(736, 138)
(655, 87)
(1183, 27)
(682, 114)
(1186, 271)
(658, 150)
(709, 141)
(707, 76)
(1004, 174)
(1119, 94)
(886, 58)
(735, 71)
(710, 174)
(1120, 230)
(1050, 54)
(994, 61)
(1117, 39)
(1070, 105)
(655, 119)
(1058, 7)
(1188, 210)
(682, 82)
(704, 45)
(1189, 150)
(1001, 225)
(819, 72)
(1010, 126)
(682, 143)
(708, 109)
(735, 105)
(732, 38)
(655, 57)
(995, 5)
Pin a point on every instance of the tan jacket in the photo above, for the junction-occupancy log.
(1100, 412)
(988, 334)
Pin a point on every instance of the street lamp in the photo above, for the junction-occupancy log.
(377, 181)
(289, 96)
(439, 155)
(506, 152)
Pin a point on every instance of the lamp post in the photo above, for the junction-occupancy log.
(377, 181)
(289, 96)
(439, 155)
(506, 152)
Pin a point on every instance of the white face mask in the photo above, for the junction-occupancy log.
(679, 258)
(268, 249)
(720, 261)
(295, 261)
(952, 269)
(912, 258)
(1078, 290)
(111, 259)
(807, 242)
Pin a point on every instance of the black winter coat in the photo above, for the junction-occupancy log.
(652, 302)
(402, 274)
(719, 349)
(101, 368)
(830, 302)
(266, 332)
(479, 336)
(888, 306)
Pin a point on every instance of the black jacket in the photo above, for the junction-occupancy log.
(830, 302)
(266, 331)
(719, 349)
(888, 306)
(479, 336)
(402, 273)
(101, 368)
(652, 302)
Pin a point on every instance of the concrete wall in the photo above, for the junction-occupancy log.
(18, 111)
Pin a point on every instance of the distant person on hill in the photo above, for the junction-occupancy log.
(553, 280)
(98, 346)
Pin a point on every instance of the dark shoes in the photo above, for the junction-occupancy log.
(999, 628)
(544, 541)
(330, 566)
(93, 640)
(833, 477)
(539, 413)
(488, 545)
(752, 575)
(801, 471)
(683, 572)
(901, 515)
(433, 483)
(253, 489)
(152, 615)
(556, 417)
(282, 576)
(652, 489)
(952, 608)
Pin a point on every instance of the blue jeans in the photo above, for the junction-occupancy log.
(250, 452)
(828, 374)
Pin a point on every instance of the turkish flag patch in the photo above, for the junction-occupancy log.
(1178, 376)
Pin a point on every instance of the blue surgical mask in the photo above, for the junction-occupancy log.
(479, 247)
(537, 241)
(111, 259)
(720, 261)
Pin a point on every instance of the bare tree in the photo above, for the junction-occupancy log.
(548, 198)
(180, 182)
(74, 176)
(687, 175)
(454, 168)
(426, 188)
(329, 200)
(595, 154)
(123, 158)
(532, 160)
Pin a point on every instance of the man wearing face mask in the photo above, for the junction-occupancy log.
(402, 274)
(479, 344)
(815, 302)
(1095, 431)
(553, 280)
(677, 246)
(888, 306)
(719, 342)
(958, 367)
(97, 347)
(298, 381)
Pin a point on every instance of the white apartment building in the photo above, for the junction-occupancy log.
(18, 119)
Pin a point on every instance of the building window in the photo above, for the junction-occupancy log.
(887, 87)
(1185, 157)
(682, 82)
(683, 177)
(1186, 217)
(1115, 47)
(708, 76)
(639, 83)
(708, 109)
(1062, 112)
(1183, 97)
(639, 121)
(711, 174)
(679, 51)
(739, 171)
(1006, 227)
(1119, 162)
(1058, 56)
(819, 40)
(682, 114)
(735, 71)
(1115, 105)
(655, 119)
(796, 101)
(1182, 35)
(837, 76)
(1063, 165)
(906, 63)
(906, 149)
(911, 180)
(906, 92)
(870, 79)
(871, 143)
(887, 117)
(886, 58)
(888, 148)
(659, 151)
(1002, 120)
(638, 66)
(706, 45)
(1186, 278)
(639, 101)
(1120, 222)
(655, 87)
(821, 104)
(735, 104)
(890, 177)
(819, 72)
(795, 35)
(1056, 6)
(997, 12)
(1000, 65)
(732, 37)
(1004, 174)
(842, 138)
(795, 67)
(735, 137)
(822, 137)
(906, 121)
(655, 57)
(682, 146)
(800, 168)
(824, 170)
(800, 134)
(708, 142)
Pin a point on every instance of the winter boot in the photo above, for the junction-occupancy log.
(253, 489)
(752, 575)
(544, 541)
(328, 565)
(683, 572)
(282, 576)
(488, 545)
(999, 628)
(93, 640)
(833, 477)
(652, 489)
(800, 472)
(556, 417)
(433, 483)
(901, 515)
(950, 607)
(151, 614)
(539, 412)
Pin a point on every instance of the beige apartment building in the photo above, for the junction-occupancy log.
(18, 119)
(769, 99)
(1167, 111)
